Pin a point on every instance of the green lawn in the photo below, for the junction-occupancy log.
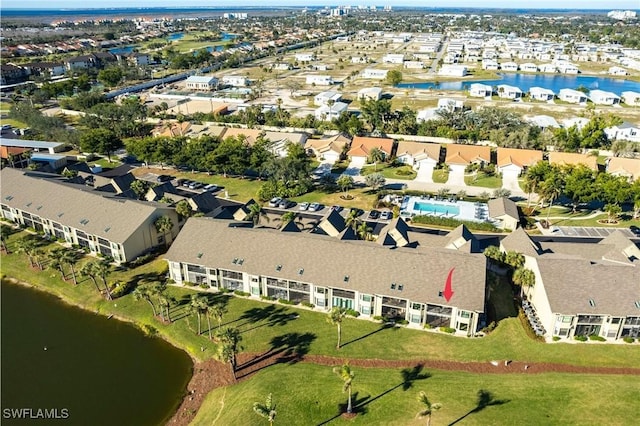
(16, 124)
(307, 394)
(260, 322)
(440, 176)
(390, 172)
(363, 198)
(484, 180)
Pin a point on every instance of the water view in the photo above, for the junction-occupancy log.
(548, 81)
(104, 372)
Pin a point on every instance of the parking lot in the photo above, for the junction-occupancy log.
(580, 231)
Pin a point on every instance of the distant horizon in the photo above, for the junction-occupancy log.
(466, 4)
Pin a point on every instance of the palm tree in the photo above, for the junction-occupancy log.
(28, 247)
(514, 259)
(217, 310)
(551, 189)
(286, 218)
(524, 278)
(256, 213)
(230, 339)
(38, 256)
(103, 270)
(70, 258)
(364, 231)
(143, 292)
(3, 244)
(163, 225)
(345, 182)
(335, 317)
(375, 156)
(90, 270)
(197, 306)
(533, 177)
(352, 219)
(429, 407)
(345, 373)
(266, 410)
(165, 301)
(54, 261)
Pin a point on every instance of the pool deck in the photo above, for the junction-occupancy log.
(474, 212)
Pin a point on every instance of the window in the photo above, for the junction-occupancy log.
(365, 310)
(415, 318)
(416, 306)
(464, 314)
(255, 291)
(365, 298)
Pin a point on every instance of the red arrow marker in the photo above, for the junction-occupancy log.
(448, 292)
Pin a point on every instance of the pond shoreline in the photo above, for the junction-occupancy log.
(196, 365)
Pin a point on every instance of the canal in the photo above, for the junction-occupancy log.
(99, 371)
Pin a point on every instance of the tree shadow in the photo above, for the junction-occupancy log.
(288, 348)
(358, 405)
(410, 375)
(385, 326)
(485, 399)
(270, 316)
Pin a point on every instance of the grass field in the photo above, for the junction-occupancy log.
(307, 394)
(16, 124)
(390, 172)
(484, 180)
(440, 176)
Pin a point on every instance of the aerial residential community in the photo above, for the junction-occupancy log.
(367, 214)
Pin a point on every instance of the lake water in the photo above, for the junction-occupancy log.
(548, 81)
(104, 372)
(175, 36)
(122, 50)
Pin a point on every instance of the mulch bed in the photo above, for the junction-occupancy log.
(212, 374)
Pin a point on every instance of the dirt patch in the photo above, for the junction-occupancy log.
(212, 374)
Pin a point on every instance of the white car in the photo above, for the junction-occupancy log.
(211, 187)
(274, 201)
(314, 207)
(303, 206)
(386, 215)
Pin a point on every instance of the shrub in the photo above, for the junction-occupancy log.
(628, 339)
(224, 290)
(454, 223)
(428, 326)
(148, 330)
(119, 289)
(263, 297)
(403, 322)
(556, 338)
(447, 330)
(597, 338)
(489, 328)
(378, 318)
(353, 313)
(286, 302)
(204, 285)
(308, 305)
(189, 283)
(241, 293)
(581, 338)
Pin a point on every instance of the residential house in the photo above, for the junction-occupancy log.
(617, 71)
(543, 121)
(573, 159)
(427, 114)
(449, 104)
(305, 57)
(528, 67)
(402, 284)
(361, 148)
(453, 71)
(248, 135)
(330, 112)
(628, 167)
(14, 156)
(319, 80)
(548, 68)
(414, 65)
(82, 62)
(370, 93)
(478, 90)
(329, 96)
(601, 97)
(460, 156)
(392, 58)
(119, 228)
(328, 149)
(631, 98)
(572, 96)
(280, 141)
(489, 64)
(509, 92)
(374, 74)
(235, 80)
(51, 69)
(140, 59)
(11, 74)
(512, 162)
(282, 66)
(625, 131)
(509, 66)
(566, 68)
(541, 94)
(201, 82)
(35, 146)
(423, 157)
(569, 297)
(504, 213)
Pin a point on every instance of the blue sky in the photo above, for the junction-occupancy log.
(560, 4)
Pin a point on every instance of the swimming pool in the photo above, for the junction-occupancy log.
(432, 206)
(429, 207)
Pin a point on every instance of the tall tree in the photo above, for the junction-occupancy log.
(524, 278)
(428, 407)
(103, 141)
(229, 347)
(552, 187)
(579, 184)
(375, 180)
(266, 410)
(345, 182)
(54, 261)
(70, 258)
(89, 269)
(256, 213)
(534, 177)
(27, 246)
(164, 225)
(217, 311)
(347, 376)
(375, 156)
(335, 317)
(144, 292)
(103, 269)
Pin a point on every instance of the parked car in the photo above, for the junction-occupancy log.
(211, 187)
(314, 207)
(374, 214)
(196, 185)
(285, 204)
(303, 206)
(386, 215)
(336, 208)
(163, 178)
(274, 202)
(186, 183)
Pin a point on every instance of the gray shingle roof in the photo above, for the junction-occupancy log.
(326, 261)
(571, 283)
(519, 241)
(503, 206)
(111, 218)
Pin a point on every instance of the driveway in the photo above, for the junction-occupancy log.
(324, 168)
(510, 181)
(456, 175)
(353, 169)
(425, 173)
